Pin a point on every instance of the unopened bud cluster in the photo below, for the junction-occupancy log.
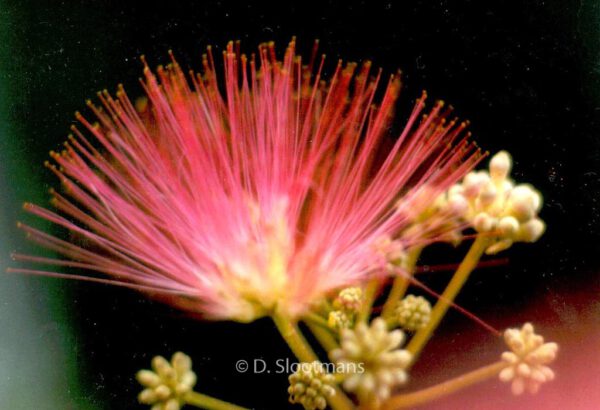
(346, 305)
(311, 386)
(167, 383)
(392, 251)
(492, 203)
(413, 312)
(376, 351)
(439, 216)
(349, 299)
(527, 360)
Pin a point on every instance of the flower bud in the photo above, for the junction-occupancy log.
(531, 230)
(474, 182)
(457, 204)
(148, 378)
(483, 222)
(524, 202)
(488, 195)
(500, 166)
(508, 226)
(456, 189)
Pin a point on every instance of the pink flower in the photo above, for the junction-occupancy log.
(264, 191)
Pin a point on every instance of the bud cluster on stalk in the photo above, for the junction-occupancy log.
(528, 359)
(413, 312)
(167, 382)
(376, 351)
(311, 386)
(492, 203)
(346, 306)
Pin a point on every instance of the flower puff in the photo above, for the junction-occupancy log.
(234, 195)
(528, 359)
(167, 383)
(375, 355)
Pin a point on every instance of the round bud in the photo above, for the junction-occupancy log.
(162, 392)
(483, 222)
(457, 204)
(456, 189)
(148, 378)
(500, 166)
(474, 182)
(172, 404)
(488, 195)
(523, 201)
(181, 362)
(532, 230)
(537, 200)
(508, 226)
(147, 396)
(161, 365)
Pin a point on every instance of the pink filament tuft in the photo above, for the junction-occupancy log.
(220, 188)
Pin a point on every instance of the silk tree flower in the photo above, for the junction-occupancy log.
(263, 190)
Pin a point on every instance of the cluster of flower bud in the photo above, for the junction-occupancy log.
(491, 203)
(311, 386)
(438, 216)
(167, 383)
(413, 312)
(346, 306)
(349, 299)
(392, 251)
(339, 319)
(526, 362)
(374, 351)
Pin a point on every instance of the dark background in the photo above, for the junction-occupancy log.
(525, 73)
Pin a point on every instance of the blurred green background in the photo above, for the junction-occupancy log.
(40, 361)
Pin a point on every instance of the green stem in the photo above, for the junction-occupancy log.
(324, 336)
(420, 339)
(368, 299)
(315, 319)
(292, 336)
(391, 322)
(429, 394)
(209, 403)
(302, 350)
(401, 283)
